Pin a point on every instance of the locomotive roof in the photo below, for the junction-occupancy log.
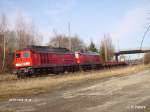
(47, 49)
(89, 52)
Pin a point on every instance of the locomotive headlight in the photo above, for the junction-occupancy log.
(22, 64)
(18, 64)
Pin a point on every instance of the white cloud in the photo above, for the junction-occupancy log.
(58, 9)
(132, 22)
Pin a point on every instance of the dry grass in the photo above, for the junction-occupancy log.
(36, 85)
(7, 110)
(7, 77)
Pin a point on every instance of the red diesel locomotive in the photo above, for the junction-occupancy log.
(88, 60)
(43, 59)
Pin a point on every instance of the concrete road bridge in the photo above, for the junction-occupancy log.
(131, 51)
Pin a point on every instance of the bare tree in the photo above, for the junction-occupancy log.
(3, 23)
(26, 33)
(147, 58)
(8, 43)
(3, 30)
(77, 44)
(63, 41)
(1, 52)
(21, 32)
(58, 41)
(11, 41)
(23, 35)
(106, 48)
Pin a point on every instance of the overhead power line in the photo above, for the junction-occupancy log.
(143, 37)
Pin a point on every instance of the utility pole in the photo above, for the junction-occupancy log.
(1, 45)
(69, 35)
(105, 44)
(4, 53)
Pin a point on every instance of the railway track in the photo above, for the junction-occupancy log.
(102, 68)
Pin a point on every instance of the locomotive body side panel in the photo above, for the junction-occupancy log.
(36, 59)
(40, 59)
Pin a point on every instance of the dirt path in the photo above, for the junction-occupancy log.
(117, 94)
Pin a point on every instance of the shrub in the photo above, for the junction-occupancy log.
(147, 58)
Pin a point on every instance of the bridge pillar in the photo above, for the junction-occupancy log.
(116, 57)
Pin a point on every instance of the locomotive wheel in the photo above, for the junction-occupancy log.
(22, 74)
(19, 73)
(18, 76)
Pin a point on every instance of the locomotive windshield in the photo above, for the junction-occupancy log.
(18, 55)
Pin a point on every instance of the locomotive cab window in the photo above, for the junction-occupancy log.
(26, 55)
(18, 55)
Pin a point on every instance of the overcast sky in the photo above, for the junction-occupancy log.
(124, 20)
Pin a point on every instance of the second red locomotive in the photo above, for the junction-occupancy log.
(88, 60)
